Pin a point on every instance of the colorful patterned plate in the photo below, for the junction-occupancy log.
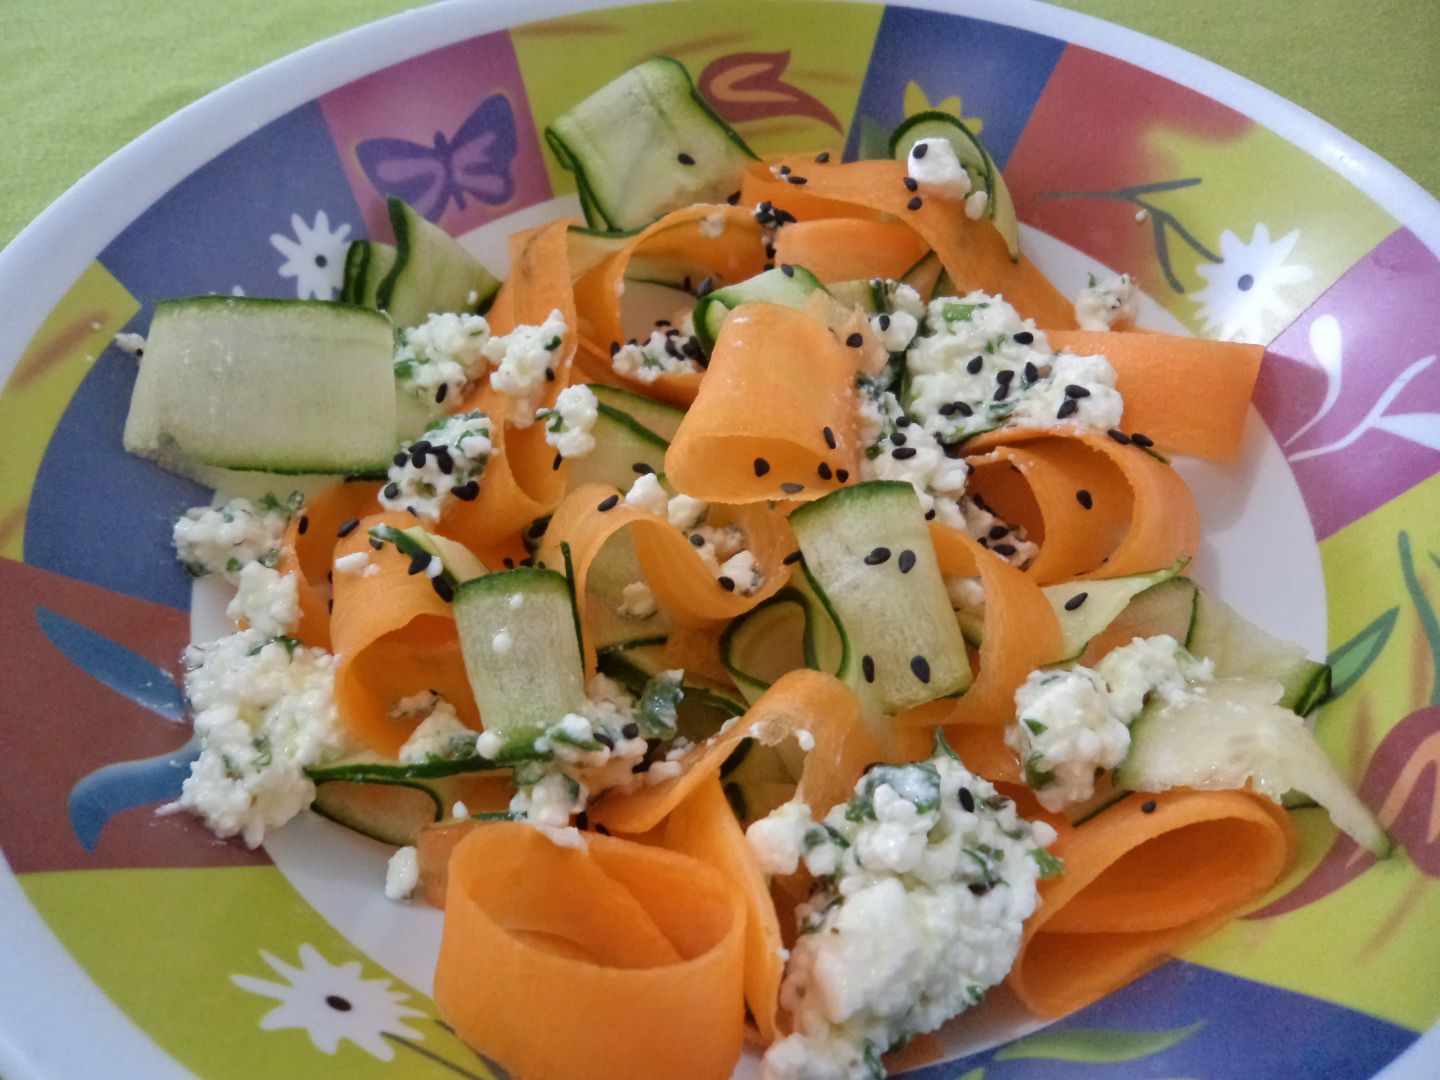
(137, 945)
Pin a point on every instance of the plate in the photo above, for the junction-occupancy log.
(139, 945)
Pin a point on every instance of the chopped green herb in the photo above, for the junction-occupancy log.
(1036, 727)
(1049, 864)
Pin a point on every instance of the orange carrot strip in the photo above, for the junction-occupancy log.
(808, 700)
(848, 249)
(1140, 887)
(777, 382)
(308, 554)
(1021, 634)
(973, 253)
(530, 925)
(704, 827)
(1188, 394)
(678, 238)
(1164, 525)
(394, 637)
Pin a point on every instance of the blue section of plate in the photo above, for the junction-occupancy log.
(999, 73)
(1187, 1020)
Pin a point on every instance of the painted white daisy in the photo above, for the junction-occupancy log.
(332, 1003)
(1242, 290)
(315, 257)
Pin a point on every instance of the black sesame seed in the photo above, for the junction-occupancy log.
(999, 532)
(877, 556)
(911, 184)
(979, 888)
(921, 667)
(919, 150)
(784, 170)
(641, 469)
(822, 157)
(930, 515)
(855, 340)
(1024, 337)
(614, 347)
(884, 322)
(303, 525)
(1141, 440)
(797, 180)
(706, 286)
(555, 464)
(792, 488)
(829, 437)
(967, 801)
(1084, 498)
(441, 391)
(442, 588)
(607, 503)
(761, 466)
(549, 374)
(419, 562)
(697, 540)
(787, 269)
(417, 455)
(1004, 549)
(867, 665)
(509, 563)
(843, 475)
(907, 561)
(466, 491)
(733, 198)
(1076, 391)
(1001, 392)
(1004, 377)
(1067, 408)
(915, 203)
(1075, 601)
(824, 471)
(1032, 373)
(685, 159)
(1148, 806)
(640, 767)
(392, 491)
(792, 558)
(376, 544)
(901, 453)
(662, 323)
(631, 731)
(974, 366)
(347, 527)
(898, 438)
(330, 605)
(1119, 436)
(728, 584)
(538, 528)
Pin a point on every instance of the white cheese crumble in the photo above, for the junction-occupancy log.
(441, 736)
(353, 563)
(712, 226)
(447, 462)
(1103, 303)
(266, 601)
(569, 426)
(637, 601)
(977, 205)
(1004, 540)
(664, 352)
(224, 539)
(966, 594)
(524, 361)
(459, 811)
(264, 711)
(402, 874)
(933, 164)
(685, 512)
(130, 344)
(924, 881)
(648, 495)
(446, 350)
(1071, 724)
(742, 571)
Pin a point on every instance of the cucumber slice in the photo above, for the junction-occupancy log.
(792, 288)
(522, 652)
(283, 386)
(431, 272)
(615, 566)
(1167, 608)
(704, 704)
(905, 646)
(791, 630)
(756, 779)
(1099, 603)
(655, 416)
(457, 563)
(645, 144)
(866, 295)
(1241, 649)
(624, 449)
(366, 265)
(974, 158)
(393, 812)
(1229, 737)
(588, 248)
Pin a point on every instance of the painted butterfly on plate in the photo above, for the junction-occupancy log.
(476, 162)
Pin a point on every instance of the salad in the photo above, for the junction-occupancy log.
(763, 616)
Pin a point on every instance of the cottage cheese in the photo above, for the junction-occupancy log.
(264, 711)
(569, 426)
(1070, 724)
(266, 600)
(647, 494)
(934, 165)
(447, 462)
(1103, 303)
(1004, 540)
(637, 601)
(918, 910)
(445, 350)
(712, 226)
(131, 344)
(402, 874)
(224, 539)
(439, 737)
(664, 352)
(524, 361)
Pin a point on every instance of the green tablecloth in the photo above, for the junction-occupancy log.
(82, 78)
